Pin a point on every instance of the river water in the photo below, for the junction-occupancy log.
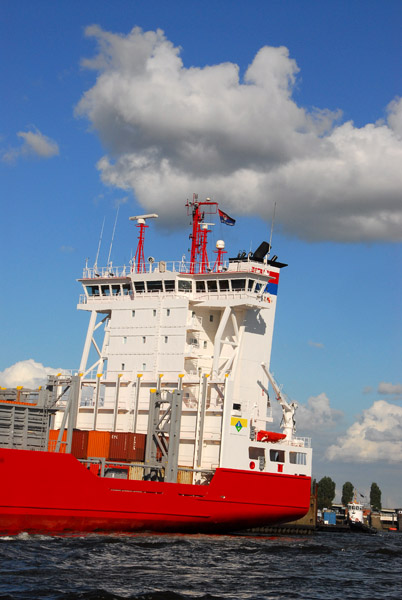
(179, 567)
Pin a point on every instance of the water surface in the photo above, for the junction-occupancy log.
(179, 567)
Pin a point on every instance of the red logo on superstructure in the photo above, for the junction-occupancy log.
(273, 276)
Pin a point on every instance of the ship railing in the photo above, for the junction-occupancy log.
(135, 470)
(103, 272)
(304, 442)
(174, 266)
(237, 295)
(246, 265)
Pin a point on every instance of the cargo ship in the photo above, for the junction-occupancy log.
(167, 425)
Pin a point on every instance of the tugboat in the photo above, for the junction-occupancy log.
(355, 517)
(168, 427)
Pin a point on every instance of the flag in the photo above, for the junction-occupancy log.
(225, 218)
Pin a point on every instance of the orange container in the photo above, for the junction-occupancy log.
(53, 436)
(98, 444)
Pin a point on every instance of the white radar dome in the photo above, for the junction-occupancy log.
(220, 244)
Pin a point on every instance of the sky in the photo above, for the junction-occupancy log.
(134, 106)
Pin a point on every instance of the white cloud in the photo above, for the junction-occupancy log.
(67, 249)
(28, 373)
(34, 143)
(317, 413)
(390, 388)
(316, 344)
(171, 130)
(377, 437)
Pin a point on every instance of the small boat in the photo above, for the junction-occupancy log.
(356, 519)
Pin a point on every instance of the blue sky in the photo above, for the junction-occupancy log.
(309, 118)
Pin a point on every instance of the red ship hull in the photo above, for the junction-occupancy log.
(55, 493)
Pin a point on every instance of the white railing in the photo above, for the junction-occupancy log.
(175, 266)
(304, 442)
(125, 271)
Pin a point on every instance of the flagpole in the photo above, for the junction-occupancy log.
(272, 230)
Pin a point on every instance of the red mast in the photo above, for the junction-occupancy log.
(139, 255)
(199, 234)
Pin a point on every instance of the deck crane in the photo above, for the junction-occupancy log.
(288, 408)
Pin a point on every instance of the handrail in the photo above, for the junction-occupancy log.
(245, 265)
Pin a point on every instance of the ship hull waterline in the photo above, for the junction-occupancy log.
(44, 492)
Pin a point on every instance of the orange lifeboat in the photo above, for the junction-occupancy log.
(269, 436)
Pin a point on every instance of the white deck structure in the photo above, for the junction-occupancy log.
(163, 326)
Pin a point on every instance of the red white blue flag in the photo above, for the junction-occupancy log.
(225, 218)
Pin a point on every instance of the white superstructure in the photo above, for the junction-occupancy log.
(206, 329)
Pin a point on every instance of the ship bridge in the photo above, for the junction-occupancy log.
(204, 327)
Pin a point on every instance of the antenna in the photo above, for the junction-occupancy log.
(139, 259)
(99, 245)
(114, 230)
(272, 230)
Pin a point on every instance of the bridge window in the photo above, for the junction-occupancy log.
(258, 287)
(93, 290)
(298, 458)
(200, 286)
(212, 285)
(238, 285)
(116, 290)
(139, 286)
(169, 285)
(224, 285)
(251, 282)
(126, 289)
(154, 286)
(185, 286)
(277, 456)
(105, 290)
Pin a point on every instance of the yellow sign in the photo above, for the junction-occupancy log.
(238, 423)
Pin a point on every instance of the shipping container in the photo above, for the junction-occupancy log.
(329, 517)
(127, 446)
(53, 436)
(136, 443)
(184, 476)
(118, 445)
(79, 446)
(136, 473)
(98, 444)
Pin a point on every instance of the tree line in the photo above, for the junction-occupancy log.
(326, 493)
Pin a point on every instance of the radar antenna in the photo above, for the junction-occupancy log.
(139, 259)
